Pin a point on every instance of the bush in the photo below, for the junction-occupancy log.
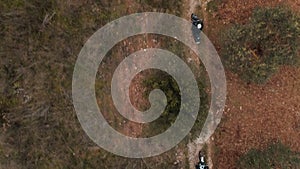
(275, 156)
(170, 6)
(163, 81)
(213, 5)
(270, 39)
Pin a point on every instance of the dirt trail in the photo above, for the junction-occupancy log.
(193, 147)
(196, 146)
(209, 142)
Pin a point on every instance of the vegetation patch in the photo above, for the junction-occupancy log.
(213, 5)
(171, 6)
(163, 81)
(270, 39)
(275, 155)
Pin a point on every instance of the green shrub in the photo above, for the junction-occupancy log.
(213, 5)
(270, 39)
(170, 6)
(274, 156)
(163, 81)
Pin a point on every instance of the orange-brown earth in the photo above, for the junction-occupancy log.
(256, 115)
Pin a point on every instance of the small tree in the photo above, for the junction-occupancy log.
(270, 39)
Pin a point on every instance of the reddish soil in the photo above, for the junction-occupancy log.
(259, 114)
(256, 115)
(234, 11)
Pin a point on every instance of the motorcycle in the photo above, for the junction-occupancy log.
(201, 164)
(197, 26)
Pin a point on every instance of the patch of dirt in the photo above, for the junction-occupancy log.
(136, 89)
(240, 11)
(259, 114)
(255, 114)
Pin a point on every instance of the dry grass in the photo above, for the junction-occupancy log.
(38, 50)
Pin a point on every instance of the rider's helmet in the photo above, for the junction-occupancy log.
(197, 22)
